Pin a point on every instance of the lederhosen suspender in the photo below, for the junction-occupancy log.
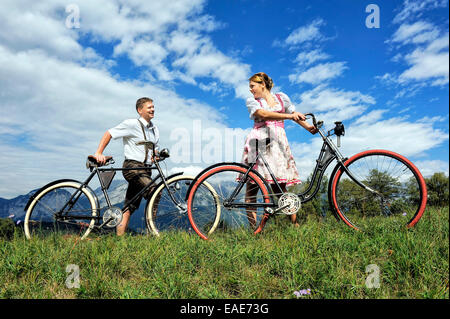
(145, 139)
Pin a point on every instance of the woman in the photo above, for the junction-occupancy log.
(269, 111)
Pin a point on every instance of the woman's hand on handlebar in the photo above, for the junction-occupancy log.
(312, 129)
(309, 127)
(297, 116)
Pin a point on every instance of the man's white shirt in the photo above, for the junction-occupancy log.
(131, 132)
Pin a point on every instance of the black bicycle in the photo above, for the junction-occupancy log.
(68, 206)
(362, 189)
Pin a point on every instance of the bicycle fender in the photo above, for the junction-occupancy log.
(40, 190)
(222, 164)
(161, 182)
(330, 183)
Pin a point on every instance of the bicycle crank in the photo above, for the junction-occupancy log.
(112, 217)
(289, 204)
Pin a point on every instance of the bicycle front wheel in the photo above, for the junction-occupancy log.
(65, 208)
(241, 206)
(167, 208)
(400, 191)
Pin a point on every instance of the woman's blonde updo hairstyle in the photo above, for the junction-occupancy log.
(262, 78)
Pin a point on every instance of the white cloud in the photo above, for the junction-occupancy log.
(319, 73)
(371, 117)
(58, 96)
(323, 98)
(418, 32)
(306, 33)
(428, 59)
(397, 134)
(430, 62)
(53, 114)
(58, 111)
(309, 57)
(414, 9)
(167, 40)
(429, 167)
(187, 170)
(330, 104)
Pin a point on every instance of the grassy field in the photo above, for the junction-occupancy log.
(322, 255)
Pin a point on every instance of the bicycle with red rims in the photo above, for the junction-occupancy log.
(369, 189)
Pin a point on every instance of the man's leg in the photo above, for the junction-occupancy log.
(137, 179)
(122, 227)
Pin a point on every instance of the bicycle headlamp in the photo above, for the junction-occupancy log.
(164, 153)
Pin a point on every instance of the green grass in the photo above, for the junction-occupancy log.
(325, 256)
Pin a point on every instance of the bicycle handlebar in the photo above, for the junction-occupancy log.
(315, 123)
(313, 118)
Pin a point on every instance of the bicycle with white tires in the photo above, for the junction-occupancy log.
(71, 207)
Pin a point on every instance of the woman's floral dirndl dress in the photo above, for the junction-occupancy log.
(278, 153)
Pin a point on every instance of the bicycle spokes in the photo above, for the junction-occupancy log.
(51, 211)
(242, 205)
(397, 191)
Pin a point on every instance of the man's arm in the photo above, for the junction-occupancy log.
(101, 147)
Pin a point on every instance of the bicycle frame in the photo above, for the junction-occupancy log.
(97, 171)
(328, 153)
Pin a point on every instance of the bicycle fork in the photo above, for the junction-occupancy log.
(182, 207)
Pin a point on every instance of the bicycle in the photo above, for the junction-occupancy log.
(68, 206)
(370, 185)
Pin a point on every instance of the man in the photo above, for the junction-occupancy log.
(132, 131)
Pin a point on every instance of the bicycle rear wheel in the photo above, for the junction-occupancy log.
(53, 211)
(163, 214)
(401, 191)
(238, 215)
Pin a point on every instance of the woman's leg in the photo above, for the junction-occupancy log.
(250, 197)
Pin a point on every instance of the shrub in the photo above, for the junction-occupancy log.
(6, 228)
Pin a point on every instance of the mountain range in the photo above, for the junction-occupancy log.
(14, 208)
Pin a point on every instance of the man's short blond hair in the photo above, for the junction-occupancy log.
(140, 102)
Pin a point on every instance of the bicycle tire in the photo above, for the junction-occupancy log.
(39, 216)
(223, 178)
(403, 189)
(171, 217)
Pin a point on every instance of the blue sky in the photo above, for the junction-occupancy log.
(62, 86)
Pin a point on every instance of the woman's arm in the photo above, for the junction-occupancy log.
(307, 126)
(275, 116)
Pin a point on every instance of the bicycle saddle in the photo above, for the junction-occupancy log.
(91, 162)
